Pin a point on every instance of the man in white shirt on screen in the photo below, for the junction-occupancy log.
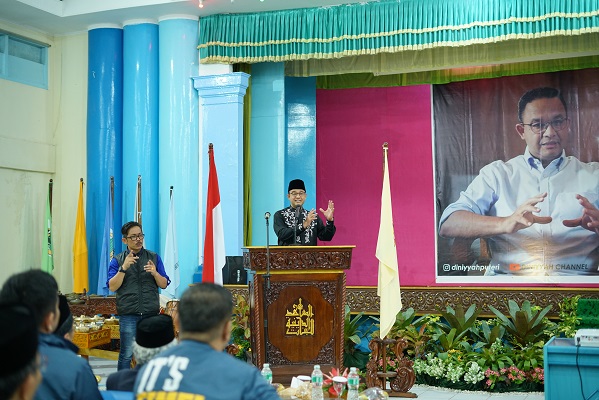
(538, 210)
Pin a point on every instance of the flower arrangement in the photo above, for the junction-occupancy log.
(240, 329)
(512, 376)
(461, 351)
(471, 376)
(327, 384)
(391, 364)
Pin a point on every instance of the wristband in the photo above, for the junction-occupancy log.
(122, 270)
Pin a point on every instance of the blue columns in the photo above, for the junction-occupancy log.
(300, 118)
(104, 138)
(221, 97)
(178, 139)
(268, 147)
(140, 126)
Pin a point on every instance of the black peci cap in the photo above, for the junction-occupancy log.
(155, 331)
(296, 184)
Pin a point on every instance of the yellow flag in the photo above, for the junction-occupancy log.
(80, 268)
(388, 285)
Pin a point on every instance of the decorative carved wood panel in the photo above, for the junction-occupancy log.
(425, 300)
(95, 305)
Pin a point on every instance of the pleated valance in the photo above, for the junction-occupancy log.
(388, 26)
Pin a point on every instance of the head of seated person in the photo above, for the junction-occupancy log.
(20, 371)
(65, 322)
(154, 334)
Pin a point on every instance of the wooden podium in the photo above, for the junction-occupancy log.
(297, 313)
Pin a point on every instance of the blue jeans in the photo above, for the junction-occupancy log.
(127, 328)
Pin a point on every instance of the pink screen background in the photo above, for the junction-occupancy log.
(352, 125)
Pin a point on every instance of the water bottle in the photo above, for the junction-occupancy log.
(353, 384)
(267, 373)
(317, 380)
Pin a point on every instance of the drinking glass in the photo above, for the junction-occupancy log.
(339, 384)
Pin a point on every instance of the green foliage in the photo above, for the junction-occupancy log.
(487, 333)
(453, 333)
(529, 357)
(416, 331)
(240, 320)
(459, 320)
(569, 320)
(524, 325)
(403, 320)
(240, 327)
(352, 336)
(457, 350)
(417, 339)
(496, 357)
(449, 341)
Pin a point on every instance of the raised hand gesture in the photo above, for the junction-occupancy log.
(523, 217)
(589, 219)
(328, 213)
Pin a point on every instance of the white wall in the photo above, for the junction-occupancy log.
(42, 137)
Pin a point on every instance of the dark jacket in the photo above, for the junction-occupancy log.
(123, 380)
(66, 375)
(291, 232)
(139, 292)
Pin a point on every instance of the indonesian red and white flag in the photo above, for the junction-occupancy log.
(214, 239)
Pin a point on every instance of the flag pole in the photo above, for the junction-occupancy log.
(47, 248)
(112, 192)
(171, 256)
(388, 288)
(214, 241)
(385, 149)
(107, 249)
(50, 187)
(80, 251)
(138, 200)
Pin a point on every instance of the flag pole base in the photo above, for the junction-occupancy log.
(386, 353)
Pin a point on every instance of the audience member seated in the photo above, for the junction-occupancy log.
(198, 365)
(20, 369)
(65, 322)
(153, 335)
(66, 375)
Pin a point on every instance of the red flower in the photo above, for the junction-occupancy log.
(328, 382)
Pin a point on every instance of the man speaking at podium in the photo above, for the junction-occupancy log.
(296, 226)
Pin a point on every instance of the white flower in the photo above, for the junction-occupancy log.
(454, 372)
(474, 374)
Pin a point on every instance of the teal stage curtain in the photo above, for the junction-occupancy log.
(336, 80)
(389, 26)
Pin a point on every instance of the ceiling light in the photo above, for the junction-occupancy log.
(201, 3)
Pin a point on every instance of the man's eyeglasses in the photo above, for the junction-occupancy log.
(557, 124)
(293, 194)
(135, 237)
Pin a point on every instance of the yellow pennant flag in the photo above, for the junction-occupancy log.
(80, 267)
(388, 285)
